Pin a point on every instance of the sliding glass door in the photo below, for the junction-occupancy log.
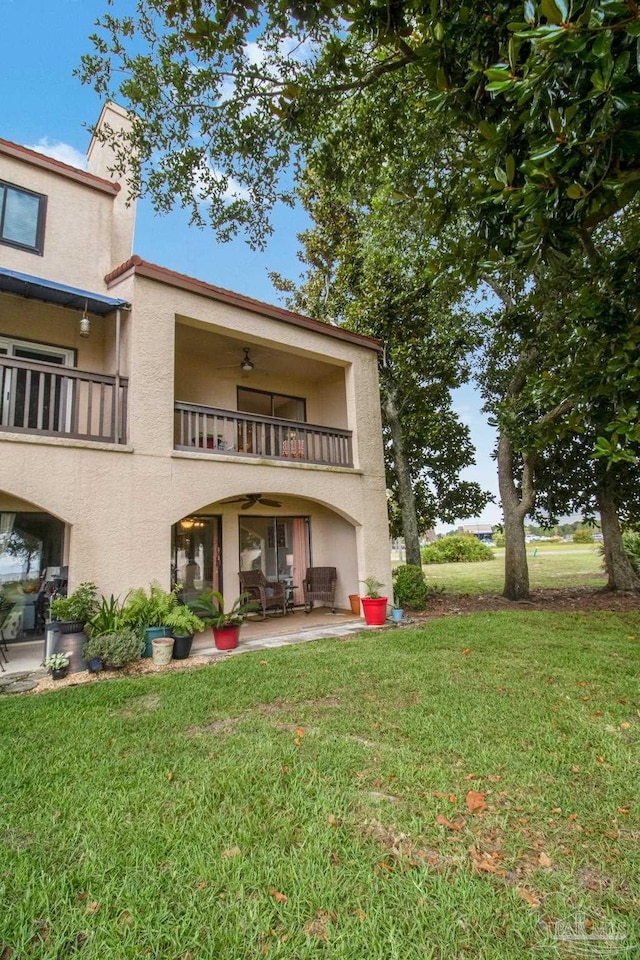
(197, 555)
(279, 546)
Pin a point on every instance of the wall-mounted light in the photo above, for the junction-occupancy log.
(85, 323)
(247, 363)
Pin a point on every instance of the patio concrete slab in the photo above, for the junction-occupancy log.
(276, 631)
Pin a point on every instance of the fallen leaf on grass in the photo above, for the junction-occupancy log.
(231, 852)
(449, 824)
(544, 860)
(451, 797)
(624, 725)
(93, 907)
(486, 862)
(318, 928)
(280, 897)
(202, 885)
(170, 775)
(475, 801)
(466, 651)
(360, 914)
(525, 894)
(126, 918)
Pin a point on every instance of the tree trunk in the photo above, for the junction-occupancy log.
(515, 507)
(406, 498)
(620, 572)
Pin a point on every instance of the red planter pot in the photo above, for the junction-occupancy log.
(226, 638)
(375, 610)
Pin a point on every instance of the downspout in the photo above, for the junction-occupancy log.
(117, 380)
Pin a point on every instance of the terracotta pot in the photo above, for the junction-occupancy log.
(226, 638)
(354, 600)
(375, 610)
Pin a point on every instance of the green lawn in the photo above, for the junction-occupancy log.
(564, 565)
(312, 801)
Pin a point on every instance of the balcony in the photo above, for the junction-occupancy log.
(215, 431)
(51, 400)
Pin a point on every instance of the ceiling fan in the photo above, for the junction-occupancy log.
(251, 499)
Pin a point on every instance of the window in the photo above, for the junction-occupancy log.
(22, 215)
(271, 405)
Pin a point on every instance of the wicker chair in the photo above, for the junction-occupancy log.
(320, 584)
(271, 595)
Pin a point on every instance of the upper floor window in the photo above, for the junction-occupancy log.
(22, 215)
(266, 404)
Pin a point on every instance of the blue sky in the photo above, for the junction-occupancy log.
(45, 107)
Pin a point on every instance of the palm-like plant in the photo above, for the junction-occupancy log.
(210, 608)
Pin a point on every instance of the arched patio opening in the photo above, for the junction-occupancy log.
(32, 546)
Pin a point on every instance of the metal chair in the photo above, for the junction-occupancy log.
(320, 584)
(271, 595)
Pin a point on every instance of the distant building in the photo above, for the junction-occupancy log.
(482, 531)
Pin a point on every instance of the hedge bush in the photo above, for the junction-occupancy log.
(458, 548)
(631, 540)
(583, 535)
(409, 587)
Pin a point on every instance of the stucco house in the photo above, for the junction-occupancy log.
(142, 411)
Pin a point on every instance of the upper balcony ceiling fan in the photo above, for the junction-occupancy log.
(251, 499)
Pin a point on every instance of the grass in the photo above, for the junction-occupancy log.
(564, 565)
(286, 804)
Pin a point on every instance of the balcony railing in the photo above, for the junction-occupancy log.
(51, 400)
(244, 434)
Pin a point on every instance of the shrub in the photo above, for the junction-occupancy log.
(499, 539)
(458, 548)
(409, 587)
(631, 540)
(583, 535)
(115, 649)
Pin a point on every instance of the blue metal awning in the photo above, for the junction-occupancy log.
(37, 288)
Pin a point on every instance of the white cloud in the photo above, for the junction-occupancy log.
(59, 151)
(233, 191)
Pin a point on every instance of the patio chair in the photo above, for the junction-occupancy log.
(320, 584)
(5, 609)
(271, 595)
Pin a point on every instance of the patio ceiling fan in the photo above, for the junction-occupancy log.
(251, 499)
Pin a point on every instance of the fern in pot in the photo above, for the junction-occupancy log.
(183, 623)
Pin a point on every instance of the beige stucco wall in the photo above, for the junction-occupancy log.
(87, 232)
(45, 323)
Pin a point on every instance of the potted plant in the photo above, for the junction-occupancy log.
(70, 614)
(397, 612)
(184, 623)
(73, 611)
(226, 626)
(373, 605)
(57, 664)
(147, 613)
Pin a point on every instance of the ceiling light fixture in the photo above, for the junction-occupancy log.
(247, 363)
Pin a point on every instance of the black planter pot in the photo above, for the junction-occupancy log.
(71, 642)
(95, 665)
(70, 626)
(60, 674)
(182, 647)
